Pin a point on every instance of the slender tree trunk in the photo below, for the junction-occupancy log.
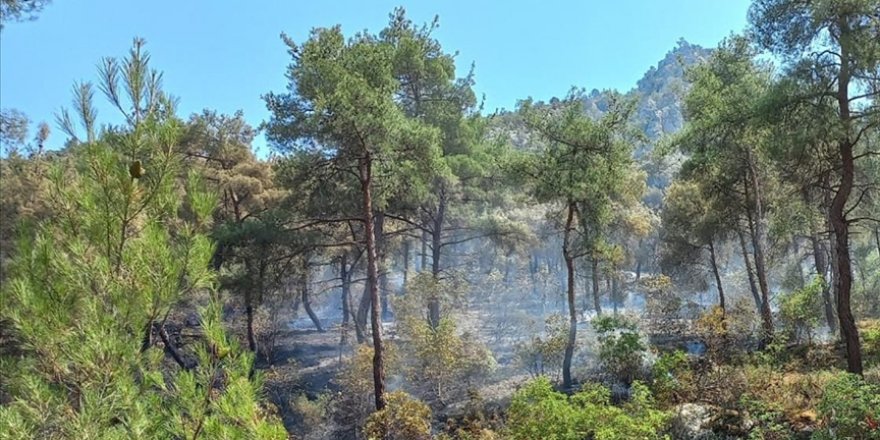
(639, 260)
(373, 282)
(363, 313)
(406, 257)
(597, 304)
(381, 246)
(839, 222)
(756, 225)
(822, 270)
(306, 295)
(252, 340)
(436, 248)
(346, 289)
(714, 262)
(249, 311)
(753, 286)
(345, 278)
(572, 312)
(423, 261)
(877, 239)
(615, 291)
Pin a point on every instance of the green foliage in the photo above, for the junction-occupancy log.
(538, 411)
(870, 333)
(850, 408)
(88, 286)
(727, 334)
(543, 355)
(801, 310)
(404, 418)
(621, 350)
(355, 401)
(671, 377)
(438, 358)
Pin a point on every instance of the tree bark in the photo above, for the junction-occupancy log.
(345, 277)
(756, 226)
(423, 260)
(366, 164)
(436, 248)
(345, 280)
(877, 239)
(383, 264)
(821, 264)
(572, 313)
(406, 256)
(839, 222)
(363, 314)
(597, 304)
(753, 286)
(252, 340)
(307, 296)
(714, 262)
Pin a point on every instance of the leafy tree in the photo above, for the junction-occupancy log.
(86, 288)
(246, 226)
(727, 149)
(693, 230)
(341, 105)
(837, 41)
(448, 206)
(584, 165)
(20, 10)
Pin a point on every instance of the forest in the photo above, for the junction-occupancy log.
(695, 258)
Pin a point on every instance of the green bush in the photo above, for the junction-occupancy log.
(543, 355)
(870, 333)
(621, 350)
(800, 311)
(537, 411)
(671, 377)
(403, 418)
(850, 408)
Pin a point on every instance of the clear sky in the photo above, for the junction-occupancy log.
(224, 54)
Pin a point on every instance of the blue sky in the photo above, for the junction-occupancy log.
(224, 54)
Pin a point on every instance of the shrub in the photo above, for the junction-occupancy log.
(870, 333)
(727, 334)
(355, 401)
(537, 411)
(543, 355)
(620, 347)
(800, 311)
(439, 361)
(672, 378)
(403, 418)
(850, 408)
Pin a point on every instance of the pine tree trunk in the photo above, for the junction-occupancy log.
(714, 262)
(753, 286)
(252, 340)
(436, 248)
(839, 222)
(345, 280)
(373, 282)
(572, 313)
(423, 261)
(383, 264)
(406, 257)
(306, 295)
(822, 270)
(756, 226)
(597, 304)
